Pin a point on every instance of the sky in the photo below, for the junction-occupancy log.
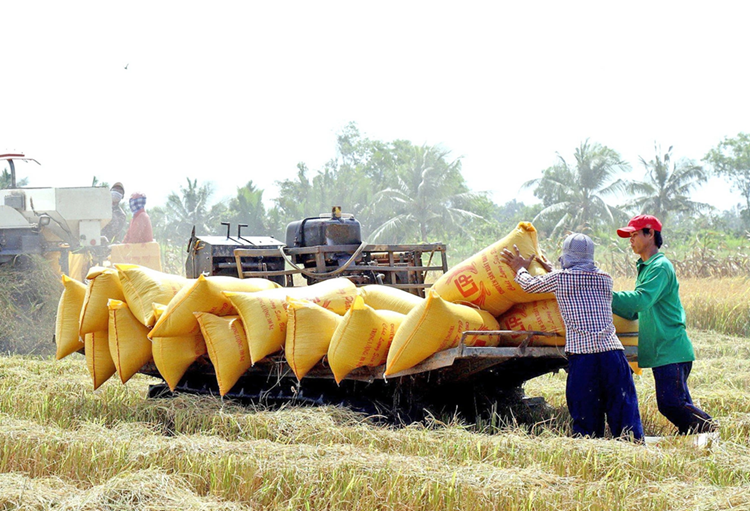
(152, 93)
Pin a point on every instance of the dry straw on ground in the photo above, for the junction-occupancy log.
(74, 448)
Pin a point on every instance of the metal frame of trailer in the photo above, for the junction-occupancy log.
(465, 378)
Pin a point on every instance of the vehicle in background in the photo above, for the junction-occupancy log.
(51, 222)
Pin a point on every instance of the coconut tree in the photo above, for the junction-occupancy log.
(574, 195)
(666, 186)
(191, 208)
(247, 208)
(430, 198)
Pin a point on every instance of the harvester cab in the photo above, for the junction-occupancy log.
(50, 221)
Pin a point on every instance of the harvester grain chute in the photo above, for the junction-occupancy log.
(468, 379)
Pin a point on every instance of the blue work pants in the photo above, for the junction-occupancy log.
(601, 385)
(674, 401)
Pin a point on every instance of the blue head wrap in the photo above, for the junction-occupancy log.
(137, 202)
(578, 253)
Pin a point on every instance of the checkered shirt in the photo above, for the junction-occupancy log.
(585, 301)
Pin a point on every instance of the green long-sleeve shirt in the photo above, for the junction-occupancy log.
(662, 338)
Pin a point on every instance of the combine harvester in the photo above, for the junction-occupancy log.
(484, 371)
(51, 222)
(63, 225)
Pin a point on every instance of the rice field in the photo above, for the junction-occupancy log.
(64, 446)
(718, 304)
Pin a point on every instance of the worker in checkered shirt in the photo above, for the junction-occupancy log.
(600, 381)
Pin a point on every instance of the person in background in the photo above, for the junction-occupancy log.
(114, 228)
(663, 343)
(140, 230)
(600, 381)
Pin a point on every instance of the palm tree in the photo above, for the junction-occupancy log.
(667, 185)
(191, 209)
(248, 208)
(429, 200)
(574, 195)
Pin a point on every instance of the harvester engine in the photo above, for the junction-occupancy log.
(214, 255)
(336, 229)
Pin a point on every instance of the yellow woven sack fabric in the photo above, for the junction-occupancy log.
(129, 345)
(308, 334)
(486, 281)
(389, 298)
(434, 326)
(78, 265)
(103, 284)
(67, 340)
(541, 316)
(264, 318)
(623, 326)
(544, 316)
(158, 309)
(98, 358)
(174, 355)
(143, 287)
(336, 295)
(227, 348)
(204, 294)
(362, 339)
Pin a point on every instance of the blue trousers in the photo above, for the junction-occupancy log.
(674, 401)
(601, 385)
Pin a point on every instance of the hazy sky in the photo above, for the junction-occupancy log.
(149, 93)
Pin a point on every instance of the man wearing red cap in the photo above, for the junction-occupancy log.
(663, 344)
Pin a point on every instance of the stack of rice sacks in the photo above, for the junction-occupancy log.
(128, 316)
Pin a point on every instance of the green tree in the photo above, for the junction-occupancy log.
(430, 200)
(574, 195)
(189, 209)
(6, 180)
(348, 180)
(667, 186)
(247, 208)
(731, 160)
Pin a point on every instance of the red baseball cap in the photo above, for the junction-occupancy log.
(639, 222)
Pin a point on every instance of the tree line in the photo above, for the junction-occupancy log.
(404, 193)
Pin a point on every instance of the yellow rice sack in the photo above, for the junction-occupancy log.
(158, 309)
(204, 294)
(227, 347)
(103, 284)
(143, 287)
(362, 339)
(308, 334)
(129, 345)
(544, 316)
(434, 326)
(67, 340)
(174, 355)
(486, 281)
(79, 264)
(540, 316)
(623, 326)
(264, 318)
(389, 298)
(98, 358)
(336, 295)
